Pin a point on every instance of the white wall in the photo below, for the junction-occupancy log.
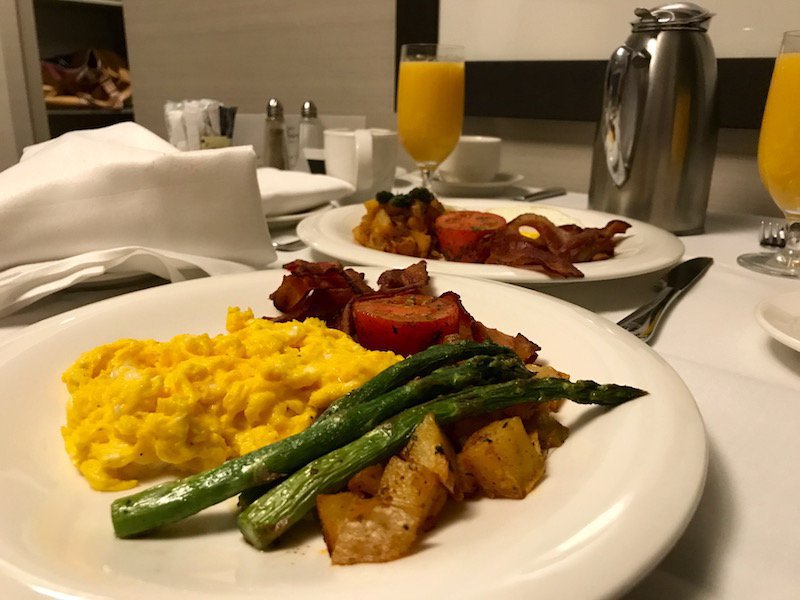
(338, 53)
(591, 29)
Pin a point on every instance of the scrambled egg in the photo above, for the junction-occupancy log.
(141, 408)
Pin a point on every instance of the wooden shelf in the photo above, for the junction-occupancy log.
(84, 112)
(62, 120)
(117, 3)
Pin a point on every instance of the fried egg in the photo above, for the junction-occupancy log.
(143, 408)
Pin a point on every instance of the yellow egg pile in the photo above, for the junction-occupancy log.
(143, 408)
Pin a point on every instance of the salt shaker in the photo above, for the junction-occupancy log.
(309, 134)
(276, 150)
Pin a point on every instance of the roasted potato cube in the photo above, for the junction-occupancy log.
(374, 532)
(460, 431)
(549, 432)
(503, 460)
(466, 480)
(385, 526)
(430, 448)
(413, 488)
(367, 481)
(542, 371)
(333, 512)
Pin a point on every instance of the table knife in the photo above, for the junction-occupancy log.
(643, 321)
(542, 194)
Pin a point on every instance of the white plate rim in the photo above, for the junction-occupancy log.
(635, 530)
(316, 231)
(766, 318)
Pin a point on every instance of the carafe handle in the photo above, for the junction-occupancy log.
(621, 110)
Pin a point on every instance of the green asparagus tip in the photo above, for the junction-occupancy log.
(609, 394)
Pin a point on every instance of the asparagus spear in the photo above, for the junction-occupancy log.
(172, 501)
(415, 365)
(282, 506)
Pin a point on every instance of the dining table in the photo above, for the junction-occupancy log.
(743, 540)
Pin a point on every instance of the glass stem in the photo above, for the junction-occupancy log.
(425, 174)
(792, 250)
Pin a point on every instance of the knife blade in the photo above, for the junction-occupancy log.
(644, 320)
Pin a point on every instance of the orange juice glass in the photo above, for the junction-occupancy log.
(430, 103)
(779, 142)
(779, 158)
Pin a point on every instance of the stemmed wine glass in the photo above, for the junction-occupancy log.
(430, 103)
(779, 159)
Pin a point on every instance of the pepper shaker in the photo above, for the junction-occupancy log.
(276, 151)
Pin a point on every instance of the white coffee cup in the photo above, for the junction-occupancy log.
(475, 159)
(365, 158)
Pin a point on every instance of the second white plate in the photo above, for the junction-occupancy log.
(643, 249)
(780, 317)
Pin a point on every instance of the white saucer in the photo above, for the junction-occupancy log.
(465, 189)
(780, 317)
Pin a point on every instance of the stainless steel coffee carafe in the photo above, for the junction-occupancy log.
(657, 136)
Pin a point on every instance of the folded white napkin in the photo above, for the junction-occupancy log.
(286, 192)
(120, 198)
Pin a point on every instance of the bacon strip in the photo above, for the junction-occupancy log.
(556, 248)
(319, 290)
(328, 291)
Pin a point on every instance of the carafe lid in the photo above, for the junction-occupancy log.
(683, 16)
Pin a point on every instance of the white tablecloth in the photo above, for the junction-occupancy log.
(744, 541)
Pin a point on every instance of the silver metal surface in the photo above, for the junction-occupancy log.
(657, 136)
(274, 109)
(309, 110)
(289, 246)
(644, 320)
(680, 15)
(773, 235)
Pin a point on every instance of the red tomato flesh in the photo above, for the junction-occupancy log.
(404, 324)
(458, 231)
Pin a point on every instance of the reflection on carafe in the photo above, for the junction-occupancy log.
(657, 136)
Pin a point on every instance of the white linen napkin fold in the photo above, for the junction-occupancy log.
(286, 192)
(122, 199)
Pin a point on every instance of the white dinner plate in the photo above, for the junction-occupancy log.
(644, 248)
(616, 497)
(486, 189)
(780, 317)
